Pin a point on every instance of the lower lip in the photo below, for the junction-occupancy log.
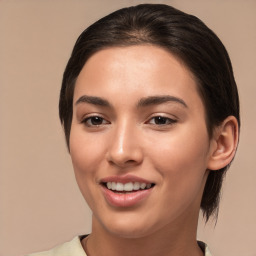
(127, 199)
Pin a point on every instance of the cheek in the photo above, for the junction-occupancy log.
(182, 162)
(183, 150)
(86, 152)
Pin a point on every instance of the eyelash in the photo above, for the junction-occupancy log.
(169, 121)
(88, 121)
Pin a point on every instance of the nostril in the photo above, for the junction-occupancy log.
(123, 163)
(130, 161)
(124, 151)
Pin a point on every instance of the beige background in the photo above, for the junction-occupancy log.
(40, 205)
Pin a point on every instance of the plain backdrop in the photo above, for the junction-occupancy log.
(40, 204)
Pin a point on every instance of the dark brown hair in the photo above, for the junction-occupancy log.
(185, 36)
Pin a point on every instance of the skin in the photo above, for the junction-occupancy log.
(174, 155)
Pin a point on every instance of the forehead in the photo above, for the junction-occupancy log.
(143, 70)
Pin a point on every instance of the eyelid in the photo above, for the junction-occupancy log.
(86, 118)
(172, 120)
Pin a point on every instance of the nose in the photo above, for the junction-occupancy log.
(125, 149)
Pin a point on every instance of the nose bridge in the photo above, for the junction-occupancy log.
(124, 148)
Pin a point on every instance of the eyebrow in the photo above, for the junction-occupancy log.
(93, 100)
(155, 100)
(144, 102)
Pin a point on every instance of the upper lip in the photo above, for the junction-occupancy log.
(125, 179)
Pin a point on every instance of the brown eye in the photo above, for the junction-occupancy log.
(161, 120)
(94, 121)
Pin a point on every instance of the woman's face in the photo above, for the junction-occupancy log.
(139, 142)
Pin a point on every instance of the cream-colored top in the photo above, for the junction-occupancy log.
(74, 248)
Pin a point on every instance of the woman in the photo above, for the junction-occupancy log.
(150, 111)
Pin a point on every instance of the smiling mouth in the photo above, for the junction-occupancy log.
(128, 187)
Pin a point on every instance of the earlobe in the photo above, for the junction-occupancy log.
(224, 144)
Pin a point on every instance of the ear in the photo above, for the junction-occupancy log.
(223, 144)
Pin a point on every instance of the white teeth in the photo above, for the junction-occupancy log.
(130, 186)
(109, 185)
(113, 185)
(119, 186)
(136, 186)
(143, 185)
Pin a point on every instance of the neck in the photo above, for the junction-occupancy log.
(172, 240)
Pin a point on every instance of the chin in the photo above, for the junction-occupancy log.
(129, 227)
